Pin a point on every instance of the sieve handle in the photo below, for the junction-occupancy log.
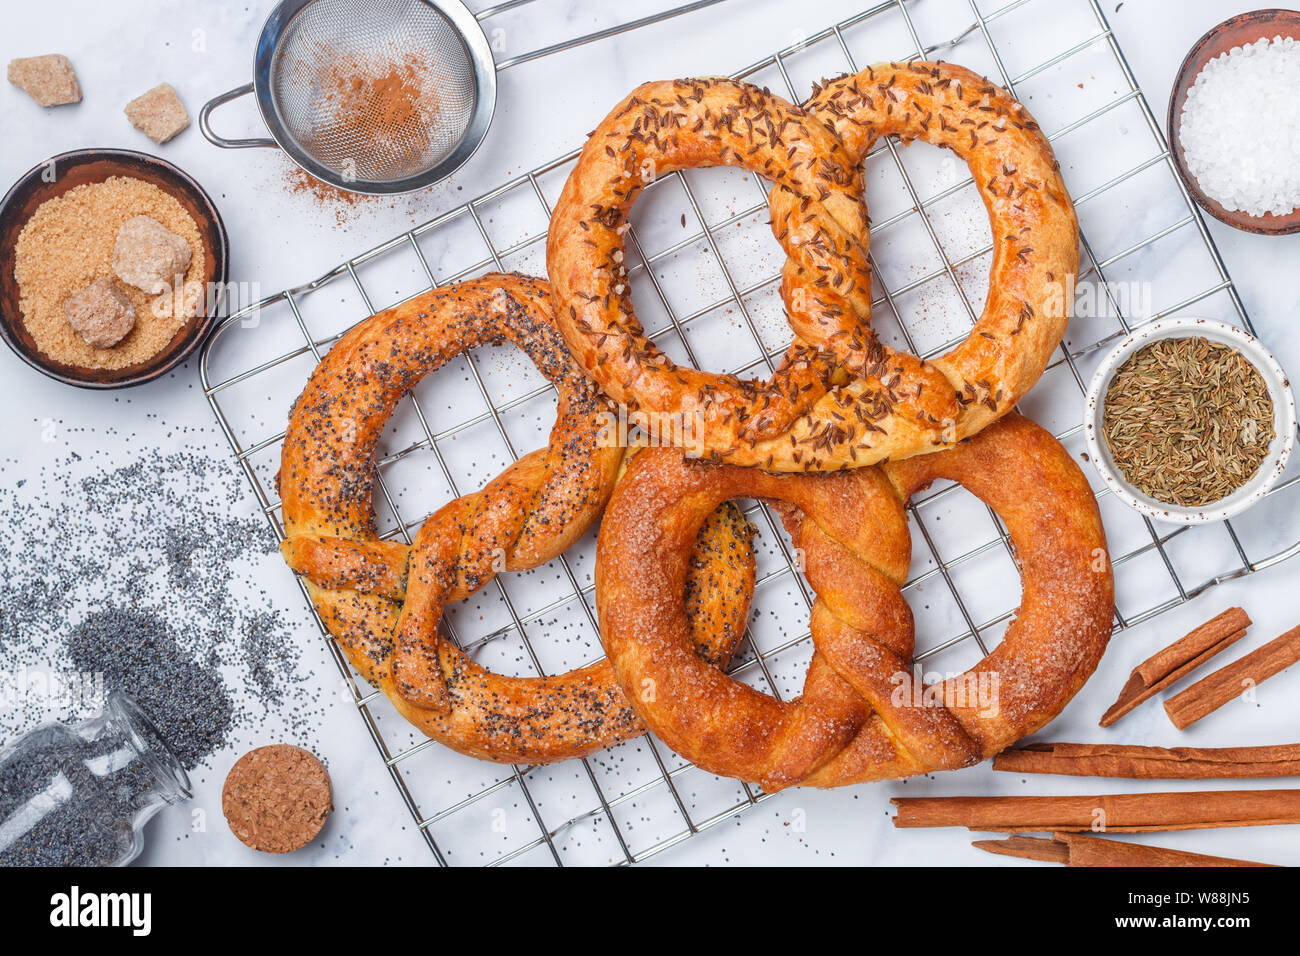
(205, 124)
(590, 37)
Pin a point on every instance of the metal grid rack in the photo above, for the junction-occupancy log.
(639, 799)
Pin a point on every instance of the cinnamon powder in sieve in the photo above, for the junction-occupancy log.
(390, 111)
(68, 243)
(390, 100)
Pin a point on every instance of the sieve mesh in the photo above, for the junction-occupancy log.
(374, 90)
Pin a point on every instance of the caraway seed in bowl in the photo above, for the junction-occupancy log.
(1188, 421)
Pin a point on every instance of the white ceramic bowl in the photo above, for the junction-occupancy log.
(1284, 420)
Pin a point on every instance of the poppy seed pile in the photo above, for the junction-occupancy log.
(136, 652)
(141, 565)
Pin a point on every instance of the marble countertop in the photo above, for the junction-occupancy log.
(281, 237)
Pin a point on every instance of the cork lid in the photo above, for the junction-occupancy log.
(276, 798)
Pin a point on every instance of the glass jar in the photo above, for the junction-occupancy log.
(80, 794)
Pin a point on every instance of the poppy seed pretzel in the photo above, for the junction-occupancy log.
(863, 715)
(537, 720)
(384, 601)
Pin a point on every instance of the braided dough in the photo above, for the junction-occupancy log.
(529, 514)
(660, 128)
(842, 398)
(1035, 246)
(860, 718)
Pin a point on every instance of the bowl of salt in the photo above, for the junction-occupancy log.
(1234, 122)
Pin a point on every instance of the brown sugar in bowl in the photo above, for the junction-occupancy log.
(79, 168)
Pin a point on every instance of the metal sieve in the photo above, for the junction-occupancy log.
(322, 70)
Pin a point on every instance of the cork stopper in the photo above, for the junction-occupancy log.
(276, 798)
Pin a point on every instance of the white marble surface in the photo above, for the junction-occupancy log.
(281, 238)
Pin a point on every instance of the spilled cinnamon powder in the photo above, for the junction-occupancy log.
(343, 206)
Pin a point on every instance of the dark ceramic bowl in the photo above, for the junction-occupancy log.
(78, 168)
(1239, 31)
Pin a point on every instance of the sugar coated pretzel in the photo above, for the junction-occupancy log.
(383, 601)
(842, 398)
(863, 715)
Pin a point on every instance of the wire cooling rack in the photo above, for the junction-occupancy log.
(705, 275)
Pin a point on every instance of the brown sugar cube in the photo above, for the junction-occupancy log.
(277, 798)
(50, 80)
(149, 256)
(159, 114)
(100, 314)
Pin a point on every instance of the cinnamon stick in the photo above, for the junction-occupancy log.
(1027, 848)
(1115, 813)
(1225, 684)
(1178, 660)
(1152, 763)
(1078, 849)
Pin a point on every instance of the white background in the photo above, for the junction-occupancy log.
(278, 238)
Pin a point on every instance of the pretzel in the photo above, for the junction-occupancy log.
(528, 515)
(660, 128)
(842, 398)
(863, 715)
(1035, 231)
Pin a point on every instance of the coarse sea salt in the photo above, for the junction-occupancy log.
(1240, 127)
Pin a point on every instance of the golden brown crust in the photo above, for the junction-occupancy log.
(1035, 232)
(327, 469)
(861, 717)
(529, 514)
(545, 719)
(842, 399)
(658, 129)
